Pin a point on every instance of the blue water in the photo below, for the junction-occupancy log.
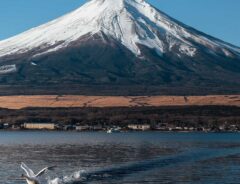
(122, 158)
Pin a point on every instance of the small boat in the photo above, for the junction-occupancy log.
(114, 130)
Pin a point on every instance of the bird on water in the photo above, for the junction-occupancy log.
(31, 177)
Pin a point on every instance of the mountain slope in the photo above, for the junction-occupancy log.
(120, 43)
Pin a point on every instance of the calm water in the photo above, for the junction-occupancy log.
(127, 158)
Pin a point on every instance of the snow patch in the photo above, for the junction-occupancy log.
(190, 51)
(5, 69)
(34, 64)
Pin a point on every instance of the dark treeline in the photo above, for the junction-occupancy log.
(114, 90)
(189, 116)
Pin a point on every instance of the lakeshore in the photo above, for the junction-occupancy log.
(165, 119)
(216, 113)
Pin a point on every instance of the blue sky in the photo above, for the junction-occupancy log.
(219, 18)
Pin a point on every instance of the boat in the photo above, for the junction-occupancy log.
(114, 130)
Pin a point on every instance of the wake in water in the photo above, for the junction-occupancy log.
(117, 173)
(74, 178)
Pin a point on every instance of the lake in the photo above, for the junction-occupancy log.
(121, 158)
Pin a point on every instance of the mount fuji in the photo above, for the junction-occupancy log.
(122, 47)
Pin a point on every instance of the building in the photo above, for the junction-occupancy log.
(97, 127)
(16, 127)
(69, 127)
(39, 126)
(161, 127)
(139, 127)
(6, 125)
(83, 128)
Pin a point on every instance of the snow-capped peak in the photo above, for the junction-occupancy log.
(130, 22)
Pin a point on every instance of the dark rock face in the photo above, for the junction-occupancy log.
(96, 66)
(99, 66)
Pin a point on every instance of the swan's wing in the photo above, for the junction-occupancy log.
(28, 171)
(43, 171)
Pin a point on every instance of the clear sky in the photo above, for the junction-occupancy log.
(219, 18)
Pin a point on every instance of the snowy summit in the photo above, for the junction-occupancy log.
(130, 22)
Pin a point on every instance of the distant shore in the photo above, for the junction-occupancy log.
(164, 118)
(128, 131)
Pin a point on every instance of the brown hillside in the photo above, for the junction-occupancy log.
(19, 102)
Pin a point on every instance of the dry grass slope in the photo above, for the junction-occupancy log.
(19, 102)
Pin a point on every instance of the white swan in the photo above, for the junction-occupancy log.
(32, 178)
